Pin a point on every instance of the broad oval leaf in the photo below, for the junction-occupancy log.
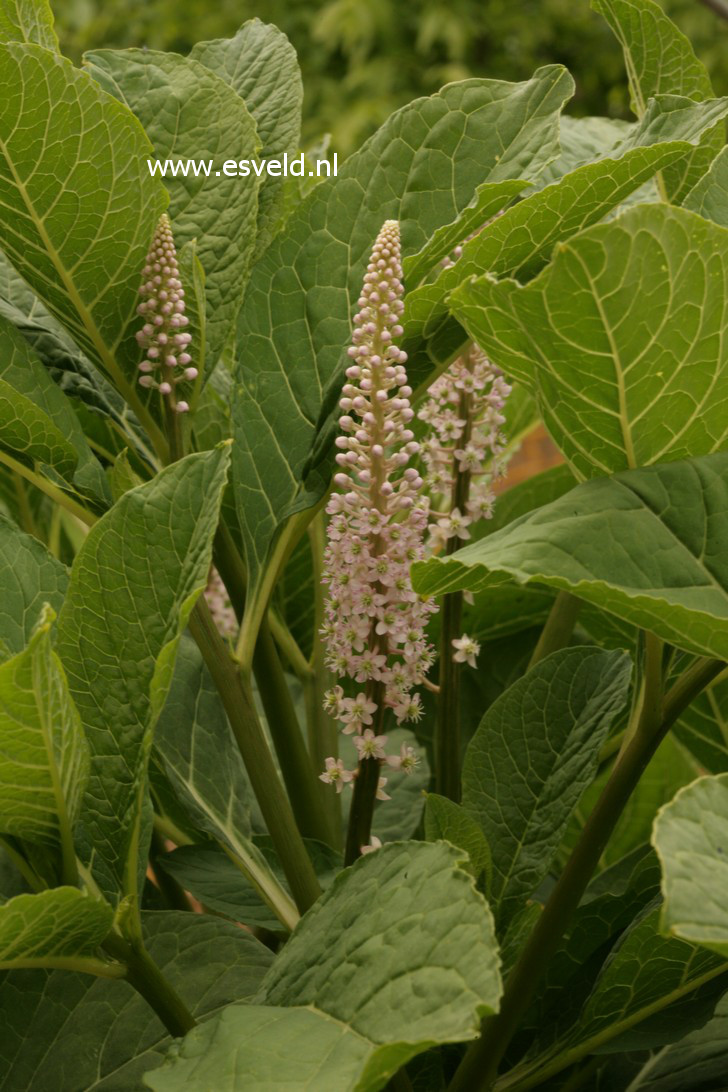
(189, 113)
(620, 339)
(371, 989)
(421, 168)
(30, 578)
(690, 838)
(133, 585)
(647, 545)
(27, 21)
(709, 197)
(531, 758)
(79, 212)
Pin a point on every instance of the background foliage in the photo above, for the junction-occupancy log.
(360, 61)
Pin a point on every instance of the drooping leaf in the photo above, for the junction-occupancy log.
(35, 414)
(44, 1017)
(195, 747)
(690, 839)
(645, 545)
(215, 881)
(133, 585)
(260, 64)
(189, 113)
(660, 60)
(354, 995)
(422, 168)
(619, 339)
(520, 242)
(52, 929)
(95, 179)
(703, 727)
(534, 753)
(30, 577)
(44, 756)
(709, 196)
(27, 21)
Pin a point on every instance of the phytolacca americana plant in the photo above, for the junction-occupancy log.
(375, 622)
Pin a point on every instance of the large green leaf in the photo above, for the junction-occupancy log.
(703, 727)
(190, 113)
(79, 212)
(534, 753)
(44, 758)
(421, 168)
(195, 747)
(520, 242)
(260, 64)
(354, 995)
(27, 21)
(619, 338)
(42, 410)
(647, 545)
(30, 577)
(133, 585)
(690, 839)
(57, 928)
(660, 61)
(709, 197)
(68, 1032)
(449, 822)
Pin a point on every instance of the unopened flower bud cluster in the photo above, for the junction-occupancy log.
(163, 336)
(374, 621)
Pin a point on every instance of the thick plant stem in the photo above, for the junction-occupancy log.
(479, 1067)
(559, 626)
(145, 976)
(274, 805)
(298, 773)
(293, 758)
(359, 830)
(447, 729)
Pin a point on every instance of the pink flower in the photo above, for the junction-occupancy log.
(370, 746)
(336, 774)
(467, 650)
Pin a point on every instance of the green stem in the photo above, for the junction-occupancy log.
(145, 976)
(559, 626)
(49, 489)
(298, 772)
(80, 964)
(27, 872)
(479, 1067)
(368, 771)
(293, 758)
(27, 521)
(246, 727)
(173, 423)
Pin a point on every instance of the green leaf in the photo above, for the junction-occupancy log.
(44, 1017)
(449, 822)
(353, 996)
(534, 753)
(260, 64)
(690, 838)
(132, 588)
(34, 414)
(214, 880)
(673, 580)
(619, 339)
(703, 727)
(422, 168)
(57, 928)
(28, 21)
(696, 1063)
(643, 977)
(95, 179)
(30, 578)
(44, 759)
(190, 113)
(709, 196)
(660, 61)
(520, 242)
(532, 493)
